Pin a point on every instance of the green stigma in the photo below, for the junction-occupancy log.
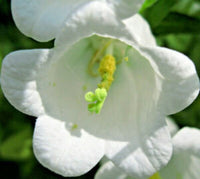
(106, 70)
(97, 99)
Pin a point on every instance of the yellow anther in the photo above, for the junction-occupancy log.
(107, 65)
(106, 69)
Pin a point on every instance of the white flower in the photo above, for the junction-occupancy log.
(130, 129)
(41, 19)
(185, 162)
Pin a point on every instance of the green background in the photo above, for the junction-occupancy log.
(175, 24)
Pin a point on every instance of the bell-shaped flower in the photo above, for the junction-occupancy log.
(184, 164)
(33, 18)
(104, 89)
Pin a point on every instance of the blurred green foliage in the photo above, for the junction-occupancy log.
(175, 24)
(157, 11)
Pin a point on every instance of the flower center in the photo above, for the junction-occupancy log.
(106, 69)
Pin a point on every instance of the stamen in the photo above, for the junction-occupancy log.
(106, 69)
(125, 55)
(97, 57)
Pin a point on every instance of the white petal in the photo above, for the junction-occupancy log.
(20, 71)
(140, 29)
(146, 150)
(93, 19)
(185, 162)
(172, 126)
(187, 140)
(41, 19)
(110, 171)
(180, 83)
(126, 8)
(64, 150)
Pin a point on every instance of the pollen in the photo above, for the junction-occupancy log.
(107, 65)
(107, 68)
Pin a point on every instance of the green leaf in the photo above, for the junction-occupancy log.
(18, 146)
(188, 7)
(156, 13)
(178, 23)
(27, 168)
(179, 42)
(147, 4)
